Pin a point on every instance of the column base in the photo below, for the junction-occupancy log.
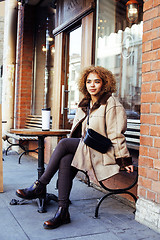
(148, 214)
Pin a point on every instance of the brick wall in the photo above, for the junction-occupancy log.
(25, 63)
(149, 158)
(149, 163)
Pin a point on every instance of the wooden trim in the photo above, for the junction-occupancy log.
(66, 72)
(88, 43)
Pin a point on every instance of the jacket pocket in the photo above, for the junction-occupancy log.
(108, 158)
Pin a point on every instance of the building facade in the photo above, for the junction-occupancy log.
(2, 7)
(53, 43)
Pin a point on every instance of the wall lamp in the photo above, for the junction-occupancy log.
(22, 2)
(132, 10)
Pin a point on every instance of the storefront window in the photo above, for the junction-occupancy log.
(74, 70)
(119, 49)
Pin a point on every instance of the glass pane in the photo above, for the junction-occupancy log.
(119, 49)
(74, 71)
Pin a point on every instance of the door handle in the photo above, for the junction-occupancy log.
(62, 100)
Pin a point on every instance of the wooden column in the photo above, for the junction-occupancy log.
(9, 55)
(57, 84)
(88, 43)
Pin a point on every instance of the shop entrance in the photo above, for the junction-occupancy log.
(74, 50)
(70, 93)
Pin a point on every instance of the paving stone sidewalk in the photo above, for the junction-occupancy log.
(23, 222)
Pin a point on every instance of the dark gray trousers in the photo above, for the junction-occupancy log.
(61, 160)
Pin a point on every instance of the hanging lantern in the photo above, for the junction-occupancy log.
(44, 49)
(132, 10)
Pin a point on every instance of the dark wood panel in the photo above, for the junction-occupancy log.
(70, 11)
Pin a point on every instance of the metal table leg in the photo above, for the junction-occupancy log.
(41, 201)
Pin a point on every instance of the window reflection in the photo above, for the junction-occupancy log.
(119, 49)
(74, 71)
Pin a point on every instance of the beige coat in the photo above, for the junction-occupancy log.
(108, 110)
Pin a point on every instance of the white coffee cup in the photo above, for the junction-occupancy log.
(46, 115)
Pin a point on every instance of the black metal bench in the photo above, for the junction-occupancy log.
(125, 190)
(133, 141)
(132, 135)
(32, 122)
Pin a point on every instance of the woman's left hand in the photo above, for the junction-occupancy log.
(129, 168)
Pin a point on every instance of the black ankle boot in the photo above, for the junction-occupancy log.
(37, 190)
(61, 217)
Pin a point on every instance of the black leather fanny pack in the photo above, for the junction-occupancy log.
(97, 141)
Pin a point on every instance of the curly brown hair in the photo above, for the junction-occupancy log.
(109, 82)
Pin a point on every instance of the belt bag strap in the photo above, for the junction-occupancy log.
(88, 112)
(95, 140)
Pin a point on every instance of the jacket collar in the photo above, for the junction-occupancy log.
(84, 103)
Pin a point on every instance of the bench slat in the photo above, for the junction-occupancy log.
(137, 134)
(134, 140)
(133, 146)
(132, 133)
(134, 127)
(35, 121)
(33, 127)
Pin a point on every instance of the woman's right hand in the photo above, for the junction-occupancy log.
(129, 168)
